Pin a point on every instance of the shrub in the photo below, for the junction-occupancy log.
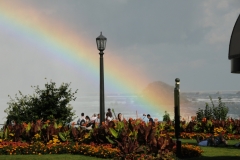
(218, 112)
(166, 117)
(48, 104)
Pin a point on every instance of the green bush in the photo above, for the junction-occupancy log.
(218, 112)
(49, 103)
(166, 117)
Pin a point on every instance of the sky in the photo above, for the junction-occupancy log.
(147, 41)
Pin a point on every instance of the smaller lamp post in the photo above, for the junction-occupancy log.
(101, 45)
(177, 115)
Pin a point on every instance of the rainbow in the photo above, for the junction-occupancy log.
(58, 41)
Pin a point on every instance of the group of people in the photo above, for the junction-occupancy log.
(147, 118)
(88, 123)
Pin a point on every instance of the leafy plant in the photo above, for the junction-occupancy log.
(64, 136)
(218, 112)
(49, 103)
(200, 114)
(166, 117)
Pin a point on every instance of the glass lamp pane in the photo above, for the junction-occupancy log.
(101, 42)
(98, 44)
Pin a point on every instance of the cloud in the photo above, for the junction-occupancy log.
(219, 18)
(159, 39)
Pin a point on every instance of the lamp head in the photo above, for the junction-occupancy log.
(234, 48)
(101, 42)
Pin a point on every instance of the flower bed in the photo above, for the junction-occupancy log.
(101, 151)
(188, 151)
(125, 138)
(38, 148)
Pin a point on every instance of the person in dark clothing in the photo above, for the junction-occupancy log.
(211, 141)
(150, 118)
(205, 142)
(220, 140)
(109, 113)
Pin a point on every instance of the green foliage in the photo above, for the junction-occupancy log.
(229, 128)
(1, 134)
(18, 109)
(6, 133)
(47, 104)
(109, 140)
(196, 128)
(208, 113)
(113, 132)
(200, 114)
(64, 136)
(28, 127)
(218, 112)
(166, 117)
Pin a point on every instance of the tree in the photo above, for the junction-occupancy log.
(19, 108)
(166, 117)
(50, 103)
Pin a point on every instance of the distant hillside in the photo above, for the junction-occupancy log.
(162, 94)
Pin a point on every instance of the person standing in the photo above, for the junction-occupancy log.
(120, 117)
(88, 124)
(109, 113)
(150, 118)
(93, 118)
(97, 121)
(144, 118)
(81, 120)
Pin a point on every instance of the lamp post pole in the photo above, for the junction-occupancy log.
(102, 103)
(177, 115)
(101, 44)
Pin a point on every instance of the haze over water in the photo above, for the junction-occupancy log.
(126, 104)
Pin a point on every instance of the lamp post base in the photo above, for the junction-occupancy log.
(178, 153)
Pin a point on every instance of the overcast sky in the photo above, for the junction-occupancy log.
(160, 40)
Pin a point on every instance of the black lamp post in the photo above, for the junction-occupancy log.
(101, 45)
(177, 115)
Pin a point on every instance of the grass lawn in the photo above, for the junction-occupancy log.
(48, 157)
(220, 153)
